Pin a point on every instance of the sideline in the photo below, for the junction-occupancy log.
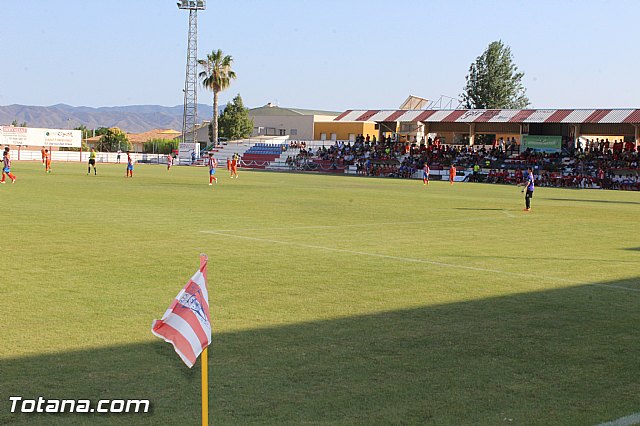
(414, 260)
(632, 419)
(355, 225)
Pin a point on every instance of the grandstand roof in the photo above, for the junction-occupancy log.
(573, 116)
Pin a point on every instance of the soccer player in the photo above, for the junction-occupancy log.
(169, 161)
(229, 165)
(6, 169)
(529, 187)
(234, 166)
(425, 174)
(129, 165)
(43, 154)
(92, 162)
(212, 169)
(47, 161)
(452, 173)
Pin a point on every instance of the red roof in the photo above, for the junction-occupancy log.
(573, 116)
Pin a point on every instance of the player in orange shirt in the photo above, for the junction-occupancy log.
(234, 167)
(43, 152)
(452, 174)
(47, 161)
(6, 167)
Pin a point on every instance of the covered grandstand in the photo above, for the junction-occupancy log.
(568, 123)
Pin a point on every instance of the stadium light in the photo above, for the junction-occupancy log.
(191, 4)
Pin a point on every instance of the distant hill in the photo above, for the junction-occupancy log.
(130, 118)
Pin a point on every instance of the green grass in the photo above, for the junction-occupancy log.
(336, 300)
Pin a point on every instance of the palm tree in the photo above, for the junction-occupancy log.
(216, 76)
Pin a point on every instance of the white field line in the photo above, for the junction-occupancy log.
(355, 225)
(411, 260)
(508, 213)
(632, 419)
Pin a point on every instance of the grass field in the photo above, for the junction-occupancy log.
(336, 300)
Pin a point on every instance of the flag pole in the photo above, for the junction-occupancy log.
(204, 362)
(205, 387)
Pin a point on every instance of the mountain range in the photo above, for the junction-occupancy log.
(130, 118)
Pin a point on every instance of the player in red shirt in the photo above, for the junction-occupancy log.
(425, 174)
(129, 165)
(212, 169)
(6, 167)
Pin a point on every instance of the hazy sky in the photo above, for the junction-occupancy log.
(331, 54)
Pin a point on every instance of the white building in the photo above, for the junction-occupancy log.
(271, 120)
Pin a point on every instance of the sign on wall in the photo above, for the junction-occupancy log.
(542, 143)
(29, 136)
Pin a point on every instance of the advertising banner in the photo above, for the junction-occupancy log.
(188, 151)
(542, 143)
(29, 136)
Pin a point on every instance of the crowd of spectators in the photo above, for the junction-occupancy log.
(597, 164)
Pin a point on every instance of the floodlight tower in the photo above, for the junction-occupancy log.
(190, 114)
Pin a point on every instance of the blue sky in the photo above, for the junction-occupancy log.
(333, 55)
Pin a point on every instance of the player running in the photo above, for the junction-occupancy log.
(92, 162)
(452, 173)
(212, 169)
(6, 169)
(43, 154)
(169, 162)
(425, 174)
(129, 165)
(47, 161)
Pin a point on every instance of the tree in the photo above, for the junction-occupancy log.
(234, 121)
(494, 82)
(112, 140)
(216, 76)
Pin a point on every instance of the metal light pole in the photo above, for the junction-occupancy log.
(190, 112)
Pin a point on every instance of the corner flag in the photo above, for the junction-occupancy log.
(187, 322)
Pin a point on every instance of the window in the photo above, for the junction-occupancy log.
(352, 137)
(282, 132)
(334, 137)
(293, 132)
(323, 136)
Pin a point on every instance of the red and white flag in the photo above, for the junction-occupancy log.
(187, 323)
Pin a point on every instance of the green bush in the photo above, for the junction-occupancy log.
(160, 146)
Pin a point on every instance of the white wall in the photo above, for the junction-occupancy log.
(101, 157)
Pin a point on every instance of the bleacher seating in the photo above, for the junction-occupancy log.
(260, 155)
